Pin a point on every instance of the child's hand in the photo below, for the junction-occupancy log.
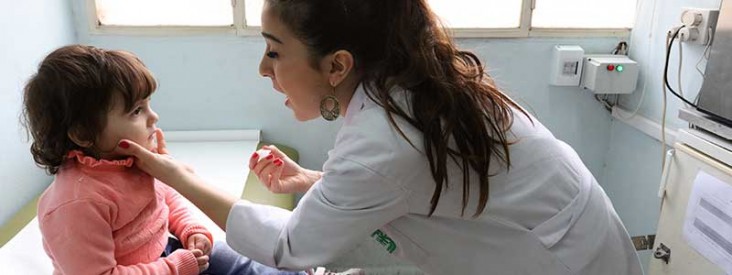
(201, 259)
(200, 242)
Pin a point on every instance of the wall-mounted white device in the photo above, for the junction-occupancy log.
(609, 74)
(566, 65)
(699, 25)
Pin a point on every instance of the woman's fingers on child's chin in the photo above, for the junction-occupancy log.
(160, 138)
(159, 134)
(129, 148)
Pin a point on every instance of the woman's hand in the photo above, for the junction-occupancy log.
(279, 173)
(213, 202)
(157, 163)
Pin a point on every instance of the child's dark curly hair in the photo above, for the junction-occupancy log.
(71, 94)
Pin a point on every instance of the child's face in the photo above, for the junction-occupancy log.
(137, 125)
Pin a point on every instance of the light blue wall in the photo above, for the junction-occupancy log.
(29, 30)
(522, 66)
(633, 165)
(212, 82)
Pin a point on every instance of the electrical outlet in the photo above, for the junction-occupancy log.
(700, 25)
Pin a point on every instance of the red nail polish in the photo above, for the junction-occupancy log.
(270, 156)
(255, 155)
(124, 144)
(278, 162)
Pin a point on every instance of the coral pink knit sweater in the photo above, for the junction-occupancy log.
(108, 217)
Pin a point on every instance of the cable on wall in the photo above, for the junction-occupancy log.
(647, 71)
(665, 70)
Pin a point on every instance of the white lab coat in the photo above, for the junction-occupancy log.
(545, 215)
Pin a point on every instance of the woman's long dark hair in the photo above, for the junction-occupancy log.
(402, 43)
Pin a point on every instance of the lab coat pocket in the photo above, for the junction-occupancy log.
(400, 245)
(551, 231)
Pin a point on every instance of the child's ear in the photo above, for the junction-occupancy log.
(75, 137)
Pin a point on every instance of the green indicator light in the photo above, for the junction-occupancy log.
(619, 68)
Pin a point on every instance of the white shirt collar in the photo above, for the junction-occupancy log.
(358, 101)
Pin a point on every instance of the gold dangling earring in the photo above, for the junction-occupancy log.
(332, 113)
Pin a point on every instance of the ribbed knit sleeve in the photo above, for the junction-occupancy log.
(182, 222)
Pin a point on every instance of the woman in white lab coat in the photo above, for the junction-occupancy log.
(432, 161)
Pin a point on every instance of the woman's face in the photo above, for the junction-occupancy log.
(287, 62)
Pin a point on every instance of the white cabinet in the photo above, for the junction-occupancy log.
(692, 155)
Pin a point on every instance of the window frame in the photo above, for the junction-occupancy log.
(240, 28)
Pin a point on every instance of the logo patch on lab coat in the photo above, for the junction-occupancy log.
(384, 240)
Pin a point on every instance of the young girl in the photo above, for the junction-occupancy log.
(101, 215)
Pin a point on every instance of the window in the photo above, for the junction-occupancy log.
(471, 14)
(253, 10)
(164, 13)
(467, 18)
(584, 14)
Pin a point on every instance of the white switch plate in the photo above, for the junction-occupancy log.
(566, 65)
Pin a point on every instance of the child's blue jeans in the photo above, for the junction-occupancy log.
(226, 261)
